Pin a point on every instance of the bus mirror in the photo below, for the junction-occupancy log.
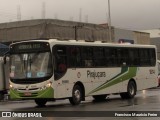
(4, 59)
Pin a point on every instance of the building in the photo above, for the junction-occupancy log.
(52, 29)
(154, 33)
(65, 30)
(135, 37)
(155, 39)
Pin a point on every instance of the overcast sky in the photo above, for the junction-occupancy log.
(128, 14)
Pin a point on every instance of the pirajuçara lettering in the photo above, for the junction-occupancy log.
(94, 74)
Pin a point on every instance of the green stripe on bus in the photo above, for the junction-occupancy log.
(125, 74)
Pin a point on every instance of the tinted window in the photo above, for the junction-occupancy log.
(99, 59)
(74, 56)
(60, 64)
(87, 56)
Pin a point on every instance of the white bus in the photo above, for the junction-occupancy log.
(46, 70)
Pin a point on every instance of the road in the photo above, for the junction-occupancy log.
(146, 100)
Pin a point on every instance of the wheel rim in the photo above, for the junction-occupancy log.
(77, 95)
(131, 90)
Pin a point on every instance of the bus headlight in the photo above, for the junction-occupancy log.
(46, 86)
(49, 84)
(10, 86)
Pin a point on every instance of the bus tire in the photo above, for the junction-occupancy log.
(99, 97)
(76, 95)
(41, 102)
(131, 91)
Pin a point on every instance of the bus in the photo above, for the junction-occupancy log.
(48, 70)
(4, 83)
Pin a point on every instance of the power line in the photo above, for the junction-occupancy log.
(5, 15)
(7, 11)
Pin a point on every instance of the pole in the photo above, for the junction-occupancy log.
(109, 22)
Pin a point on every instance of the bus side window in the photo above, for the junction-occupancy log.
(99, 59)
(87, 56)
(74, 57)
(110, 56)
(107, 57)
(124, 57)
(113, 57)
(60, 62)
(136, 57)
(152, 57)
(131, 57)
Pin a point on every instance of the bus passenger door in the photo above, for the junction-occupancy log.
(60, 69)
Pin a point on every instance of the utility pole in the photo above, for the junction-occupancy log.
(55, 16)
(80, 15)
(76, 27)
(19, 13)
(43, 10)
(109, 22)
(86, 18)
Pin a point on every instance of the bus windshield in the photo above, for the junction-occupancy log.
(30, 65)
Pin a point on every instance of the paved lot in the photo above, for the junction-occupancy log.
(146, 100)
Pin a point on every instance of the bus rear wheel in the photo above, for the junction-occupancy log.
(41, 102)
(99, 97)
(131, 91)
(76, 95)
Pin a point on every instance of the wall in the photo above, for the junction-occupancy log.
(141, 38)
(123, 34)
(156, 41)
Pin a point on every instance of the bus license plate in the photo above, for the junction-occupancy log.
(27, 94)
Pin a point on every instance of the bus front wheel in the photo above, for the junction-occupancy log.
(76, 95)
(40, 102)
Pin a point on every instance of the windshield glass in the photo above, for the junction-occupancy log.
(30, 65)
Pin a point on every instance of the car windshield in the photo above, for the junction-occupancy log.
(30, 65)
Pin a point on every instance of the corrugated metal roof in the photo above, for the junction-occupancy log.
(3, 49)
(52, 29)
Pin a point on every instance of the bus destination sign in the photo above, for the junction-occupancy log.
(29, 47)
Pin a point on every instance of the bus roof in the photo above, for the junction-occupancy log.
(84, 43)
(98, 43)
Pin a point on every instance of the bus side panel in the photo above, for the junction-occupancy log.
(64, 86)
(115, 80)
(114, 84)
(146, 78)
(108, 84)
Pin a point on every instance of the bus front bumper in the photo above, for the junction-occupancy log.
(47, 93)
